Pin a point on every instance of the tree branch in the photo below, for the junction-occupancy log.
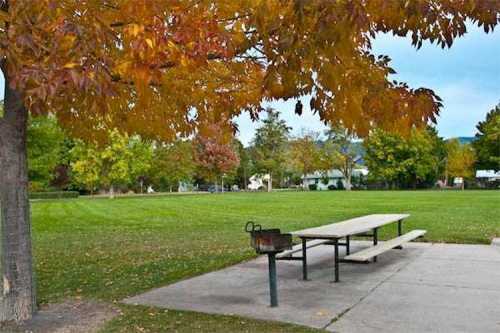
(234, 18)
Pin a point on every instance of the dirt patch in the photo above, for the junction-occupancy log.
(72, 316)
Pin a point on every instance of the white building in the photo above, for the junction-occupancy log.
(323, 180)
(258, 182)
(185, 187)
(488, 175)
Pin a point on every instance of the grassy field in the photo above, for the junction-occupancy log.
(109, 249)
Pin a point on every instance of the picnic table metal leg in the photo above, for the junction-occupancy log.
(304, 259)
(272, 279)
(375, 241)
(348, 245)
(400, 232)
(336, 244)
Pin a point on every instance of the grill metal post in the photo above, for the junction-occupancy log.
(272, 279)
(270, 242)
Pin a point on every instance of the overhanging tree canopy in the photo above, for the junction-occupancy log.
(103, 63)
(162, 68)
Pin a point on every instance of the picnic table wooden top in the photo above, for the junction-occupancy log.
(350, 227)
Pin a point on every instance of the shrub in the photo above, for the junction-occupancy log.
(54, 195)
(332, 187)
(340, 185)
(36, 186)
(313, 187)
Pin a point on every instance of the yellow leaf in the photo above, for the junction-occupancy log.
(149, 42)
(71, 65)
(135, 29)
(123, 67)
(4, 16)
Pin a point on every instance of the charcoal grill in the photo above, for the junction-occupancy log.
(270, 242)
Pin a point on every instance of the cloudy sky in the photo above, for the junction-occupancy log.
(466, 77)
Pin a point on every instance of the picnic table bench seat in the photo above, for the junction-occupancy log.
(373, 251)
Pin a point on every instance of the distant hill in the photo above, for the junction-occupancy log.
(464, 139)
(360, 151)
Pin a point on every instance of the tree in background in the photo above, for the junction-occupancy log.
(269, 146)
(173, 163)
(215, 154)
(487, 143)
(140, 164)
(304, 154)
(384, 156)
(340, 152)
(245, 168)
(460, 160)
(86, 165)
(45, 142)
(115, 162)
(158, 68)
(403, 161)
(122, 161)
(62, 176)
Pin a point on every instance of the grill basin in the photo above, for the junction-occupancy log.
(268, 240)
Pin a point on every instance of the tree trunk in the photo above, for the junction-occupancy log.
(348, 180)
(348, 176)
(17, 287)
(270, 183)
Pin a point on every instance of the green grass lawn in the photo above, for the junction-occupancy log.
(109, 249)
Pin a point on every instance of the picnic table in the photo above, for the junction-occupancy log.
(332, 234)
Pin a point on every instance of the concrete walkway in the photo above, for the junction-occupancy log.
(422, 288)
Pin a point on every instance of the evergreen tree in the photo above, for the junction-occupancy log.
(487, 144)
(269, 146)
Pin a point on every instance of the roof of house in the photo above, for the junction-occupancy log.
(259, 177)
(487, 174)
(334, 173)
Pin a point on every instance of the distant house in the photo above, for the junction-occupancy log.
(330, 178)
(258, 182)
(487, 175)
(185, 187)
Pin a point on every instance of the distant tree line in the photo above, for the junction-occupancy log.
(214, 156)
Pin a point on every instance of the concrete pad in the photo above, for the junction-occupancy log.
(463, 252)
(465, 266)
(424, 287)
(449, 288)
(396, 307)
